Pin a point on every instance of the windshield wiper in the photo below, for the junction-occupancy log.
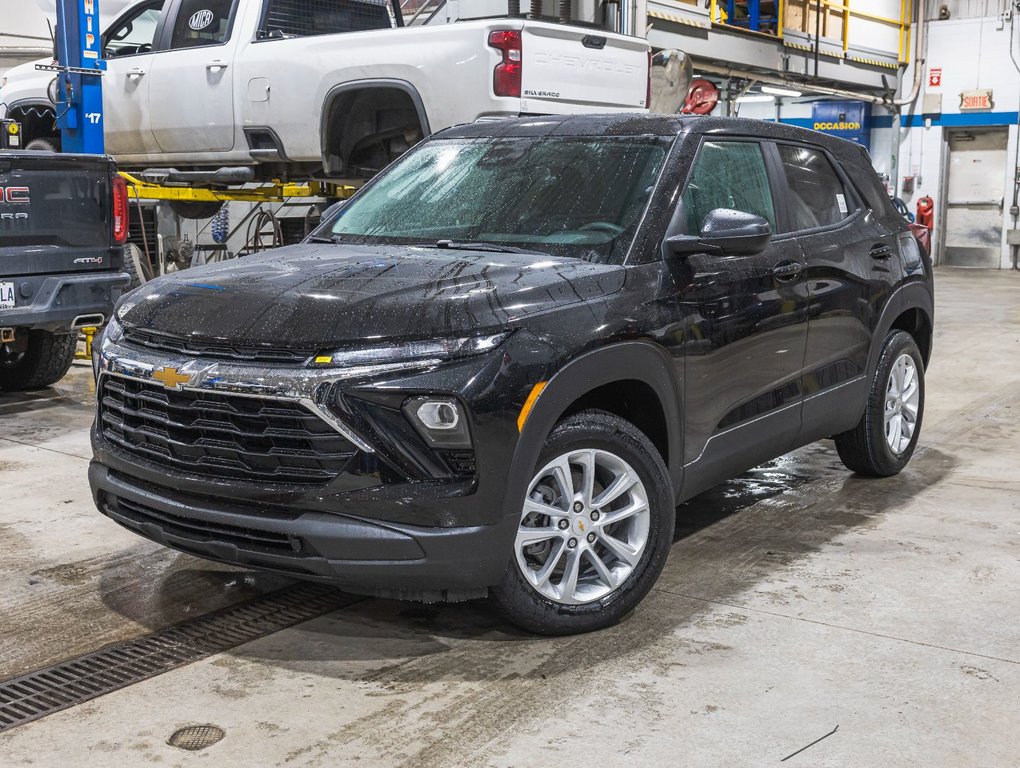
(332, 239)
(483, 246)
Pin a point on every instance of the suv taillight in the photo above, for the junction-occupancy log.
(120, 210)
(506, 77)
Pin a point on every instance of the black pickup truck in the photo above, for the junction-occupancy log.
(63, 224)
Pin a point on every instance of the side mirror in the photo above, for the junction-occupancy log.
(734, 233)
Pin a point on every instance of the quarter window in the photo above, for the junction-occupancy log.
(817, 196)
(202, 22)
(728, 174)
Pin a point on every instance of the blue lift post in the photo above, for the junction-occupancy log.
(80, 67)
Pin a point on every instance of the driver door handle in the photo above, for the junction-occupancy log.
(136, 72)
(787, 270)
(213, 66)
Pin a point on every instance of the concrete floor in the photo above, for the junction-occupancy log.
(796, 599)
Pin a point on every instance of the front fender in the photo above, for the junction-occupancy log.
(643, 361)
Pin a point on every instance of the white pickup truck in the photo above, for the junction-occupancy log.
(293, 88)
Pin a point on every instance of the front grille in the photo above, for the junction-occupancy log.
(247, 353)
(220, 435)
(200, 531)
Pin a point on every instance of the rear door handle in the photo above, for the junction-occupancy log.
(881, 251)
(787, 270)
(136, 72)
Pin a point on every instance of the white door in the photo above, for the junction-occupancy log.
(191, 95)
(977, 167)
(127, 47)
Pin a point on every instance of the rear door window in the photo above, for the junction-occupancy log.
(728, 174)
(202, 22)
(817, 197)
(304, 18)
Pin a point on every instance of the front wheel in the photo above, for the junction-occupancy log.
(595, 529)
(884, 440)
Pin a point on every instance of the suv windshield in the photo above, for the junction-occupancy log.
(580, 196)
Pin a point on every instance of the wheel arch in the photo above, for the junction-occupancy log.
(911, 309)
(633, 369)
(36, 118)
(341, 108)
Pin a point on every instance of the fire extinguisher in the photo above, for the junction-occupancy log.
(926, 212)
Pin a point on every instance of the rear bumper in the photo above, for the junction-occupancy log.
(360, 555)
(54, 302)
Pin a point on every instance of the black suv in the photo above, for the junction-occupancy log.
(503, 363)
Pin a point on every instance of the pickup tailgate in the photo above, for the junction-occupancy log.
(54, 213)
(581, 69)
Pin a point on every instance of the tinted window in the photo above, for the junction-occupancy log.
(728, 174)
(817, 197)
(302, 18)
(579, 197)
(201, 22)
(133, 35)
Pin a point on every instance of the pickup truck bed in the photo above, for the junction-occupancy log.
(60, 259)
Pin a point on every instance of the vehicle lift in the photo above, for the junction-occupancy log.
(79, 72)
(80, 69)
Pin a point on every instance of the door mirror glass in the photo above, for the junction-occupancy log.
(726, 231)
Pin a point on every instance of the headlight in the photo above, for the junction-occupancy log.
(412, 352)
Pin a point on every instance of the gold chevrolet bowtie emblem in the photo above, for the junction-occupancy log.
(170, 378)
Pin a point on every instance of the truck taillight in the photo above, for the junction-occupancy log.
(120, 210)
(648, 87)
(506, 77)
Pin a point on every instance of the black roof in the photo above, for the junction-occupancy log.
(643, 124)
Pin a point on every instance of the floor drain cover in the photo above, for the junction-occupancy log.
(195, 737)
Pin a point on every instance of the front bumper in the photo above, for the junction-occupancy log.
(57, 301)
(366, 556)
(373, 529)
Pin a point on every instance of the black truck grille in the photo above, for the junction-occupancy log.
(221, 435)
(151, 340)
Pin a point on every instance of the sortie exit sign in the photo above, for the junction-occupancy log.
(975, 100)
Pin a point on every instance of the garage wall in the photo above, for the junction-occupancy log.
(972, 53)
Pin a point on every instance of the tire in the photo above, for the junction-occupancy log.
(47, 359)
(42, 145)
(133, 257)
(868, 448)
(598, 599)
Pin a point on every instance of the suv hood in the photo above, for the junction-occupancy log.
(316, 296)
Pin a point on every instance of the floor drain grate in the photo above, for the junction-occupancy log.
(196, 737)
(63, 685)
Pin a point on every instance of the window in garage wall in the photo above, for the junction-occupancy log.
(303, 18)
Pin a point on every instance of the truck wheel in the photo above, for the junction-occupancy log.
(884, 440)
(595, 528)
(133, 257)
(44, 362)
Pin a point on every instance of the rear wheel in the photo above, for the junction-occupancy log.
(44, 361)
(595, 528)
(43, 145)
(884, 440)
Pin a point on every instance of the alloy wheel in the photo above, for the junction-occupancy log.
(902, 398)
(584, 526)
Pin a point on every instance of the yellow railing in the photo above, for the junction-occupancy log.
(718, 15)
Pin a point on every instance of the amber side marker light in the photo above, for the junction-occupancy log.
(529, 404)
